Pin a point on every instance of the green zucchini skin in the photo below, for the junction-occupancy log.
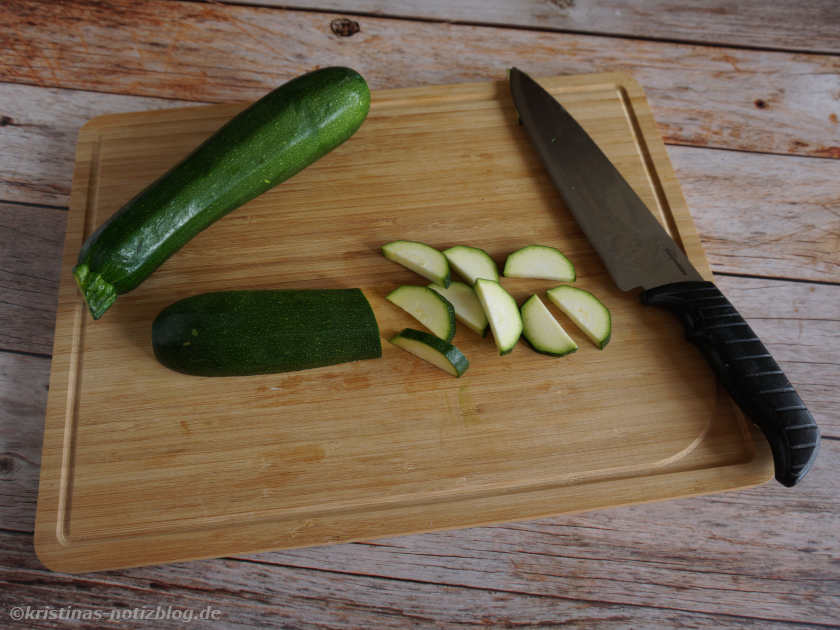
(240, 333)
(279, 135)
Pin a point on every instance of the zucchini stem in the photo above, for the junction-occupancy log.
(99, 294)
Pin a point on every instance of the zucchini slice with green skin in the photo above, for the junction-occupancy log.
(539, 261)
(420, 258)
(279, 135)
(436, 351)
(472, 263)
(239, 333)
(426, 306)
(543, 331)
(586, 311)
(468, 309)
(502, 313)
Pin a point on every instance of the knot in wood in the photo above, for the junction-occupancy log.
(344, 27)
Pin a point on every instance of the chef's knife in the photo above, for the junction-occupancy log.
(638, 252)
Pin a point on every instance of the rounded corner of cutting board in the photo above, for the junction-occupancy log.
(50, 550)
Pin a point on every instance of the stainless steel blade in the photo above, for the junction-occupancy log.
(635, 248)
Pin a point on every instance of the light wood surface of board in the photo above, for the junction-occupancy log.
(142, 465)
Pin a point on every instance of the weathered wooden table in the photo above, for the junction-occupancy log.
(746, 95)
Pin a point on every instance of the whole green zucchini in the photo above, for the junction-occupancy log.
(282, 133)
(237, 333)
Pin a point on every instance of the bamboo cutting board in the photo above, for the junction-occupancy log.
(142, 465)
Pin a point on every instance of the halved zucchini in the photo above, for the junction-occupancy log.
(428, 307)
(472, 263)
(539, 261)
(502, 313)
(432, 349)
(586, 311)
(543, 331)
(420, 258)
(465, 302)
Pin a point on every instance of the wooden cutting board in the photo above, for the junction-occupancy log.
(142, 465)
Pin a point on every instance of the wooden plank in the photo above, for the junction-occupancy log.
(254, 593)
(38, 136)
(31, 239)
(752, 23)
(718, 97)
(24, 382)
(764, 214)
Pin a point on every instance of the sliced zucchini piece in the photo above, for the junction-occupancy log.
(472, 263)
(420, 258)
(539, 261)
(432, 349)
(428, 307)
(586, 311)
(468, 309)
(502, 313)
(543, 331)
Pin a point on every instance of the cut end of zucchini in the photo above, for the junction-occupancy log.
(586, 311)
(436, 351)
(539, 261)
(420, 258)
(472, 263)
(99, 294)
(543, 331)
(502, 313)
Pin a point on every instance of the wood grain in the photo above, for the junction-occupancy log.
(704, 96)
(24, 382)
(31, 238)
(762, 214)
(698, 554)
(257, 593)
(39, 134)
(797, 322)
(299, 487)
(750, 23)
(702, 556)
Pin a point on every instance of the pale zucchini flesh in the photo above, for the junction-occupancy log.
(426, 306)
(502, 313)
(436, 351)
(472, 263)
(543, 331)
(420, 258)
(586, 311)
(468, 309)
(539, 261)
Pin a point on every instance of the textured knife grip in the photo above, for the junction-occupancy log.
(748, 372)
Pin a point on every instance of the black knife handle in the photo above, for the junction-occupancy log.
(748, 372)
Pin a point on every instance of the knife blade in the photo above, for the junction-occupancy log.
(639, 253)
